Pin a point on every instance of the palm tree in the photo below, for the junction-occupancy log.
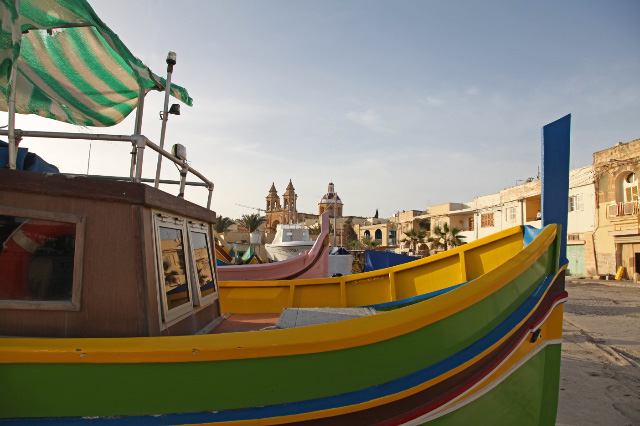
(415, 237)
(438, 239)
(222, 224)
(251, 221)
(445, 237)
(369, 243)
(454, 238)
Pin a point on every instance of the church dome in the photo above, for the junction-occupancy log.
(331, 196)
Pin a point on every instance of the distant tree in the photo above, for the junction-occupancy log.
(251, 222)
(369, 244)
(424, 224)
(454, 238)
(316, 229)
(437, 239)
(415, 237)
(349, 234)
(445, 237)
(355, 245)
(222, 224)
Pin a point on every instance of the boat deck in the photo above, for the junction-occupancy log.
(237, 323)
(289, 318)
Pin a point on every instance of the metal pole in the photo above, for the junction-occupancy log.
(140, 144)
(171, 61)
(335, 214)
(210, 195)
(183, 178)
(137, 130)
(13, 144)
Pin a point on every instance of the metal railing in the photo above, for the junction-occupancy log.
(139, 143)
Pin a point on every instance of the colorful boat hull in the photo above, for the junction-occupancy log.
(470, 352)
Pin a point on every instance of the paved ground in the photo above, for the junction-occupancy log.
(600, 373)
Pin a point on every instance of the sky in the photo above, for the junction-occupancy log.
(401, 104)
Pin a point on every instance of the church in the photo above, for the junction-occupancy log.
(278, 213)
(285, 211)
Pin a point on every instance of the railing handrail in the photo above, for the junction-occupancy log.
(139, 142)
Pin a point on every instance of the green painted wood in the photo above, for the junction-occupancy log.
(155, 388)
(576, 255)
(528, 397)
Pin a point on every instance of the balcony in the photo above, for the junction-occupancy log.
(622, 209)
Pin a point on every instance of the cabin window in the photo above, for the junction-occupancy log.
(187, 277)
(486, 220)
(176, 287)
(203, 264)
(40, 259)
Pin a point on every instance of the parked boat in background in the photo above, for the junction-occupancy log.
(290, 240)
(313, 264)
(225, 254)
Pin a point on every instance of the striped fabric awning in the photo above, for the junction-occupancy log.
(71, 66)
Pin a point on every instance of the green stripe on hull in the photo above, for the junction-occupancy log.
(528, 397)
(156, 388)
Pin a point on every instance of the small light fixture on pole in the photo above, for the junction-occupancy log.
(164, 116)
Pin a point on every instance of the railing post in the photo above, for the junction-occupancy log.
(11, 107)
(137, 130)
(171, 61)
(183, 178)
(210, 188)
(134, 153)
(141, 142)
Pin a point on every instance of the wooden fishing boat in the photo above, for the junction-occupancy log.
(489, 349)
(313, 264)
(113, 291)
(225, 254)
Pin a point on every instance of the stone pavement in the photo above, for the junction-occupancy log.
(600, 372)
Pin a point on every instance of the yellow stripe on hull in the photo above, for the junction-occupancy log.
(433, 273)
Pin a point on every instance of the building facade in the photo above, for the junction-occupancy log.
(520, 205)
(617, 239)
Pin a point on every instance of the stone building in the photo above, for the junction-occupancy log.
(405, 222)
(379, 230)
(617, 238)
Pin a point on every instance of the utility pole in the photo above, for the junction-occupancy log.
(335, 214)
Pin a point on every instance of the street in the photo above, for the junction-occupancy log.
(600, 373)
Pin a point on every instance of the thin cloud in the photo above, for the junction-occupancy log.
(368, 119)
(433, 101)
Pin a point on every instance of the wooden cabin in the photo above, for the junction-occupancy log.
(88, 257)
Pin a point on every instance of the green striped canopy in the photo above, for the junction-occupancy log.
(71, 66)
